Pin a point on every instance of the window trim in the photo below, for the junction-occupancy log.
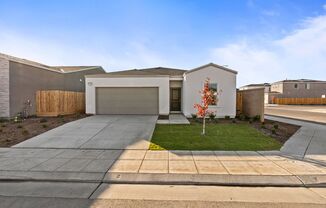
(216, 96)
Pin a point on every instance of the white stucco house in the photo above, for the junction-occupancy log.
(160, 91)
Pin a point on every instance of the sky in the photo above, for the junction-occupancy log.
(264, 40)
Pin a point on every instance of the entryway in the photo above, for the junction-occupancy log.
(175, 99)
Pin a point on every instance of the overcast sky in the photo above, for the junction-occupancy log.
(264, 40)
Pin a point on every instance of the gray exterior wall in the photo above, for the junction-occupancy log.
(4, 89)
(25, 80)
(76, 81)
(316, 90)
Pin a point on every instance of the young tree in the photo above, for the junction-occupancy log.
(207, 98)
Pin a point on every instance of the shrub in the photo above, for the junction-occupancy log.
(256, 118)
(43, 120)
(275, 126)
(25, 132)
(241, 117)
(212, 116)
(247, 117)
(194, 115)
(45, 126)
(234, 121)
(2, 120)
(63, 120)
(227, 117)
(262, 126)
(273, 131)
(251, 120)
(19, 126)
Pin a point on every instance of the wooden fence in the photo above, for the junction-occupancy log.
(300, 101)
(57, 102)
(239, 102)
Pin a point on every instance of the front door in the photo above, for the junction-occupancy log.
(175, 99)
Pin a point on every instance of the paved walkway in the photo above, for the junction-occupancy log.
(174, 119)
(309, 141)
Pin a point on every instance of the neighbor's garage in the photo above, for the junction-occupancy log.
(127, 100)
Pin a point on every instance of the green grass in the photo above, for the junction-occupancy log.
(218, 137)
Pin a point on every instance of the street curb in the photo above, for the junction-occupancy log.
(220, 180)
(168, 179)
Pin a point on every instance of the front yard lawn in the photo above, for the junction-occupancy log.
(224, 136)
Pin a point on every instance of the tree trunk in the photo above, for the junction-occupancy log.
(203, 133)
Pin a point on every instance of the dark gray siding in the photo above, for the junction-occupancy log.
(76, 81)
(316, 90)
(25, 80)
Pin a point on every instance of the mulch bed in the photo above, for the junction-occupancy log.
(277, 130)
(12, 133)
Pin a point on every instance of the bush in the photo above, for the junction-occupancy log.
(25, 132)
(43, 120)
(45, 126)
(273, 131)
(275, 126)
(241, 117)
(194, 115)
(251, 120)
(19, 126)
(257, 118)
(262, 126)
(234, 121)
(227, 117)
(212, 116)
(3, 120)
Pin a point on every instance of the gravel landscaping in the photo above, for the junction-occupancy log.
(12, 132)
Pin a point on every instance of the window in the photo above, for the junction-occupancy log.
(213, 88)
(307, 86)
(295, 85)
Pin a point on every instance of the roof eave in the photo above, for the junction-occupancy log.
(211, 64)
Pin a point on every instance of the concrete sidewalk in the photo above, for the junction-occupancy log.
(162, 167)
(309, 141)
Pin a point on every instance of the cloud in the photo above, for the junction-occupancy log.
(324, 6)
(300, 54)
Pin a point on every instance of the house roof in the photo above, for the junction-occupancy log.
(212, 64)
(59, 69)
(257, 85)
(158, 71)
(298, 80)
(151, 71)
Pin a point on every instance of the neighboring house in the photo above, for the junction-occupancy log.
(160, 91)
(21, 78)
(300, 88)
(266, 86)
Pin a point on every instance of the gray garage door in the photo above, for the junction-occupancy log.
(127, 100)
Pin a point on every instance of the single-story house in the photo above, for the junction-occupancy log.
(21, 78)
(160, 91)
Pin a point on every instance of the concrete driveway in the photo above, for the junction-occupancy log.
(98, 132)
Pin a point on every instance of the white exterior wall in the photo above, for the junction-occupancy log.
(194, 82)
(4, 89)
(161, 82)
